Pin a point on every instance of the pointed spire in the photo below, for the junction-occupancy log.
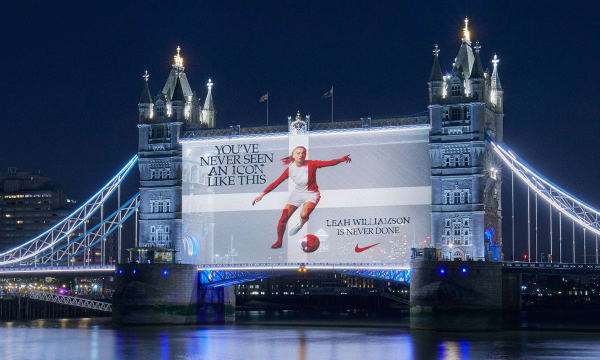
(208, 103)
(178, 92)
(145, 97)
(436, 70)
(178, 60)
(495, 81)
(208, 111)
(466, 32)
(477, 71)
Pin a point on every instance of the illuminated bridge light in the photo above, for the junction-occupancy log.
(134, 271)
(464, 270)
(165, 272)
(442, 271)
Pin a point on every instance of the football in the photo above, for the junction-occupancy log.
(309, 243)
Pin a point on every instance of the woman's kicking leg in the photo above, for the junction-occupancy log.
(307, 209)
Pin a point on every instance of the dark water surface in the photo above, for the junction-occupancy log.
(283, 336)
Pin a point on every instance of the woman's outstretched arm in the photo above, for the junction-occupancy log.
(319, 163)
(273, 185)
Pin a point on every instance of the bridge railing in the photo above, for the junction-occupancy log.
(68, 300)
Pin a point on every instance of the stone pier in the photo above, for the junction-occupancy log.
(164, 294)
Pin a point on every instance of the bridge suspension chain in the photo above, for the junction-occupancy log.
(567, 204)
(64, 229)
(87, 240)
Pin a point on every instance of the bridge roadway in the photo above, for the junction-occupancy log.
(544, 268)
(224, 275)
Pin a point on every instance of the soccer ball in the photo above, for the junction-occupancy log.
(309, 243)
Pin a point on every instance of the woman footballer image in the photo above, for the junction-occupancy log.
(306, 193)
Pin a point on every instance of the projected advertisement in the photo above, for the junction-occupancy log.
(348, 197)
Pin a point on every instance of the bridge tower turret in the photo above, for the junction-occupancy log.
(145, 106)
(208, 112)
(465, 106)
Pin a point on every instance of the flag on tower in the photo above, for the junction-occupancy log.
(328, 93)
(264, 98)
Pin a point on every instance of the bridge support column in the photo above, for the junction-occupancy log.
(457, 295)
(164, 294)
(229, 299)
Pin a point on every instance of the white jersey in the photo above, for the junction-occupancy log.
(299, 175)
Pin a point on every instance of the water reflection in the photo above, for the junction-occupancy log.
(349, 340)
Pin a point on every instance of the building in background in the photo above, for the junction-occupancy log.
(29, 204)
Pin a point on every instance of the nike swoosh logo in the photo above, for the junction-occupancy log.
(358, 249)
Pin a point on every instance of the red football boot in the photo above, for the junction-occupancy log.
(277, 245)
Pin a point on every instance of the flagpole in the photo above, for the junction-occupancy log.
(267, 108)
(331, 103)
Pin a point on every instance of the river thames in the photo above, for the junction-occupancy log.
(277, 336)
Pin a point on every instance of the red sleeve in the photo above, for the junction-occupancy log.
(319, 163)
(279, 180)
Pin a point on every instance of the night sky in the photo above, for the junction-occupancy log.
(71, 73)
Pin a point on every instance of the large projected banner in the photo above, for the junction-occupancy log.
(359, 196)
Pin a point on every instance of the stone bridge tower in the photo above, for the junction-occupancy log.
(465, 107)
(161, 120)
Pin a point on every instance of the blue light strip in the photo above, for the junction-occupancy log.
(312, 132)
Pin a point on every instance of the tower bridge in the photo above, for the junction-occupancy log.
(197, 221)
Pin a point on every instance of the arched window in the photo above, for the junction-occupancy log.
(467, 159)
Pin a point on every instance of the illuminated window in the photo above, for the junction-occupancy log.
(447, 198)
(455, 90)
